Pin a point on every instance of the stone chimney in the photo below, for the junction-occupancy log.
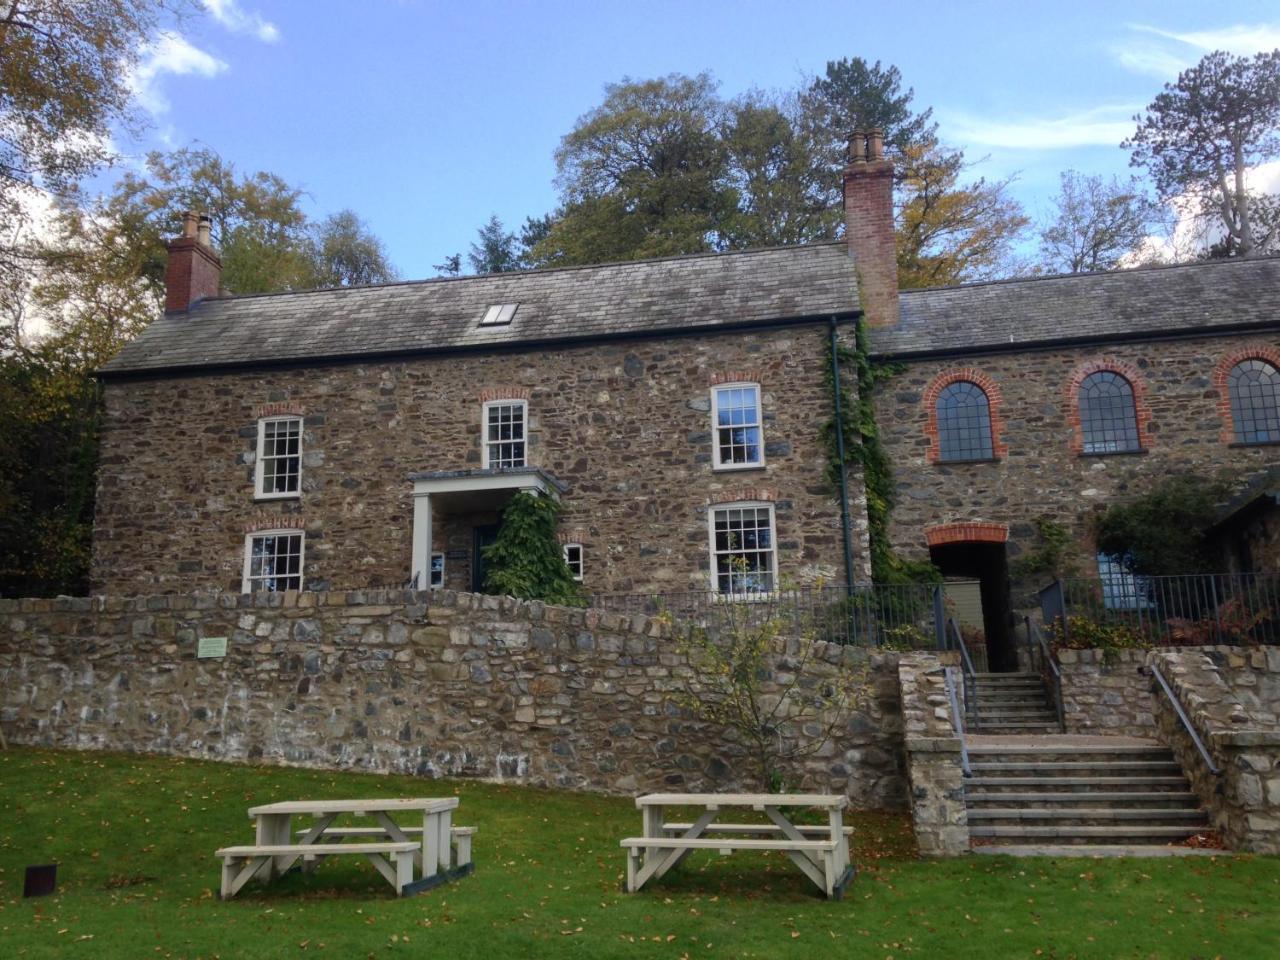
(868, 226)
(194, 270)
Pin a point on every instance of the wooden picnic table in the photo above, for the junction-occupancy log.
(821, 851)
(399, 852)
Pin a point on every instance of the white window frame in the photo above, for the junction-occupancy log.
(484, 432)
(260, 462)
(716, 462)
(246, 577)
(773, 550)
(435, 578)
(581, 565)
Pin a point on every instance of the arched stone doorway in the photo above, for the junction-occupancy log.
(976, 551)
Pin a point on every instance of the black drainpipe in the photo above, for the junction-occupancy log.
(844, 483)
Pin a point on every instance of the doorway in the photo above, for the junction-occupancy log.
(481, 536)
(988, 564)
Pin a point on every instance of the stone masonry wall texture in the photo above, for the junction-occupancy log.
(1104, 694)
(409, 682)
(934, 769)
(626, 425)
(1230, 696)
(1041, 472)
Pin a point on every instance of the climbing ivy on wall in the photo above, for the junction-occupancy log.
(862, 447)
(527, 560)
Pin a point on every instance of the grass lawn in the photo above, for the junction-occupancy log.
(134, 839)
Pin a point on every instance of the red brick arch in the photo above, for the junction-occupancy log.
(995, 400)
(969, 532)
(1253, 351)
(504, 393)
(1137, 381)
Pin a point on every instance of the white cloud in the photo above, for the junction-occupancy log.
(1244, 40)
(1176, 50)
(170, 53)
(1151, 59)
(229, 14)
(1100, 126)
(1192, 231)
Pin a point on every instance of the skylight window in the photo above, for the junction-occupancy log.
(499, 315)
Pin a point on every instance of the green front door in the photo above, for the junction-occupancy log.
(481, 537)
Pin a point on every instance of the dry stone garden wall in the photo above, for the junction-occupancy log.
(1230, 696)
(934, 768)
(409, 682)
(1106, 692)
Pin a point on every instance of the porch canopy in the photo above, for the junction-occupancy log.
(466, 491)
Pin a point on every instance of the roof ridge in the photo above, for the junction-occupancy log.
(539, 271)
(1122, 271)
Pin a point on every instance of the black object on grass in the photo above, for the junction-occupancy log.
(41, 880)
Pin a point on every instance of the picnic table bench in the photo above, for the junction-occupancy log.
(411, 857)
(821, 851)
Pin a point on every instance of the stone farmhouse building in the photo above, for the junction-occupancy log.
(370, 437)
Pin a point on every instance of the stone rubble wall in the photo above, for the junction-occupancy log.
(625, 426)
(1224, 691)
(1104, 694)
(934, 767)
(409, 682)
(1042, 473)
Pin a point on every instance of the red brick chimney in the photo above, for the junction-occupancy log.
(868, 226)
(194, 269)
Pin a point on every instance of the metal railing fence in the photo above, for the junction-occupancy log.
(895, 616)
(1188, 610)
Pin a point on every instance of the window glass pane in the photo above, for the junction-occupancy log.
(737, 426)
(744, 560)
(437, 569)
(1122, 589)
(964, 423)
(1254, 388)
(280, 453)
(573, 559)
(1108, 418)
(275, 562)
(504, 435)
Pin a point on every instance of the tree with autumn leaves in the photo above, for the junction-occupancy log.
(666, 166)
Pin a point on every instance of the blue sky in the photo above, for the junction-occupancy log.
(426, 117)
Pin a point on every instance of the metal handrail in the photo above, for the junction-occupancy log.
(1186, 723)
(1046, 656)
(957, 721)
(964, 650)
(970, 675)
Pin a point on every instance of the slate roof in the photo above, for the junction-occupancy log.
(1214, 295)
(650, 296)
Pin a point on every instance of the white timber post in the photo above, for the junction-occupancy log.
(421, 560)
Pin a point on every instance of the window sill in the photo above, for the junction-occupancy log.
(745, 597)
(953, 463)
(264, 497)
(1141, 451)
(736, 467)
(1239, 444)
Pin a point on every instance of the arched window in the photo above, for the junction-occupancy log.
(964, 423)
(1254, 388)
(1108, 416)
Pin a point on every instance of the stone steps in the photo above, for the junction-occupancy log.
(1091, 784)
(1060, 791)
(1083, 799)
(1114, 768)
(1088, 816)
(1009, 703)
(1083, 835)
